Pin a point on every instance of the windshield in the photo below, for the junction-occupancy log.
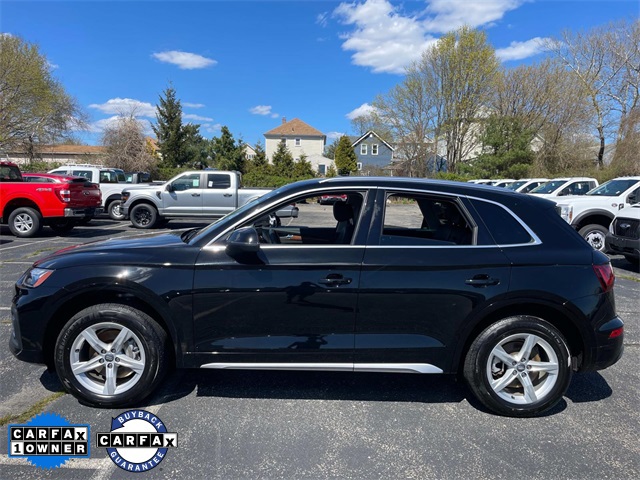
(236, 213)
(549, 187)
(516, 185)
(612, 188)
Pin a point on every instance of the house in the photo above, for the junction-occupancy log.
(61, 154)
(249, 151)
(372, 151)
(300, 139)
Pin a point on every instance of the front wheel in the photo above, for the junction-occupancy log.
(594, 235)
(144, 216)
(115, 212)
(110, 355)
(519, 366)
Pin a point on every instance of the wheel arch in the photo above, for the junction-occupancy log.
(16, 203)
(80, 300)
(598, 217)
(554, 314)
(110, 199)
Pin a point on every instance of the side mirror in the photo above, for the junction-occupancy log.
(244, 240)
(169, 187)
(632, 199)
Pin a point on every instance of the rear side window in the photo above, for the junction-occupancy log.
(502, 226)
(218, 180)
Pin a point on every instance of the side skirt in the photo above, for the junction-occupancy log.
(331, 367)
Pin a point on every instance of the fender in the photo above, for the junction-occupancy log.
(595, 211)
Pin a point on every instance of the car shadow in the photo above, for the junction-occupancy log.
(588, 387)
(621, 263)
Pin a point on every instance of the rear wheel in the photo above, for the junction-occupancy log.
(25, 222)
(518, 366)
(594, 235)
(111, 355)
(144, 216)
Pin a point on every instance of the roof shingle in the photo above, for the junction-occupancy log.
(295, 127)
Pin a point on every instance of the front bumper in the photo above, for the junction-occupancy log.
(623, 245)
(82, 212)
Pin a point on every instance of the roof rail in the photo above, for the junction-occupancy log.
(73, 164)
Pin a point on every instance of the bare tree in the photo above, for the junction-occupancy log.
(127, 145)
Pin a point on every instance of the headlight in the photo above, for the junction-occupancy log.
(124, 196)
(36, 277)
(566, 212)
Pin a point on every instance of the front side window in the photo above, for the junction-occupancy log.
(311, 222)
(424, 220)
(363, 149)
(613, 188)
(577, 188)
(186, 182)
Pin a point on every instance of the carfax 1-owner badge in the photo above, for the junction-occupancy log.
(138, 440)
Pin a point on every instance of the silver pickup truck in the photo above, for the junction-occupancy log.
(200, 194)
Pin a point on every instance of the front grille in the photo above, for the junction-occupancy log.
(627, 227)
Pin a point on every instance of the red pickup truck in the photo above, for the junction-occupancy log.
(26, 205)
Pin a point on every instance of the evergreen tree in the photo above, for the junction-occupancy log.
(346, 159)
(260, 160)
(169, 130)
(282, 161)
(228, 154)
(302, 169)
(331, 172)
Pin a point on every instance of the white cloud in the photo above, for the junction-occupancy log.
(334, 135)
(387, 39)
(361, 111)
(193, 105)
(191, 116)
(185, 60)
(520, 50)
(5, 34)
(383, 39)
(263, 110)
(211, 128)
(447, 15)
(125, 106)
(322, 19)
(52, 66)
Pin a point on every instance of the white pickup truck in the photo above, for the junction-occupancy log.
(559, 187)
(200, 194)
(592, 213)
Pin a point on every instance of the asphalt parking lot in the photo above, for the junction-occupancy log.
(235, 424)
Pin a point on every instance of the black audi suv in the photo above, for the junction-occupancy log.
(404, 275)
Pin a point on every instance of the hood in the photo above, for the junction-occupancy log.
(147, 249)
(586, 200)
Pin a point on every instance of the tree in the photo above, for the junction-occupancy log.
(346, 160)
(331, 171)
(227, 153)
(605, 60)
(35, 109)
(282, 161)
(126, 145)
(302, 169)
(330, 150)
(199, 150)
(169, 130)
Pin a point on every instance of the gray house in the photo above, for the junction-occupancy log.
(372, 152)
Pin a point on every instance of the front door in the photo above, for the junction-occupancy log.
(185, 196)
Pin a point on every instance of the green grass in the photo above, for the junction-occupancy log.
(31, 412)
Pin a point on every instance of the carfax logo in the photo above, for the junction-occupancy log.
(138, 440)
(48, 440)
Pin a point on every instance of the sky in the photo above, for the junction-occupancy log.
(249, 64)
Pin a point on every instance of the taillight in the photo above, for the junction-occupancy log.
(616, 333)
(65, 195)
(605, 276)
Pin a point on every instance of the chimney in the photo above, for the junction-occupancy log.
(284, 120)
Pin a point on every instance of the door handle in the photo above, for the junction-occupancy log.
(482, 280)
(195, 194)
(227, 194)
(335, 279)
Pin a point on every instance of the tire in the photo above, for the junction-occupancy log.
(111, 378)
(524, 388)
(594, 235)
(25, 222)
(62, 226)
(115, 213)
(144, 216)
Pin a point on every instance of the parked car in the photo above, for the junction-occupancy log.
(57, 202)
(559, 187)
(110, 180)
(624, 234)
(407, 276)
(592, 213)
(193, 194)
(503, 182)
(525, 185)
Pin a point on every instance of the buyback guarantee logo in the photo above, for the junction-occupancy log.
(48, 441)
(138, 440)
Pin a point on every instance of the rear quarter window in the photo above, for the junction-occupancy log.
(502, 226)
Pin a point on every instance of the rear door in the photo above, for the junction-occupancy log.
(428, 266)
(219, 194)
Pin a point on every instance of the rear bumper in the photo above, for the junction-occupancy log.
(82, 212)
(608, 350)
(623, 245)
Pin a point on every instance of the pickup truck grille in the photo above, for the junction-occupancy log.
(626, 227)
